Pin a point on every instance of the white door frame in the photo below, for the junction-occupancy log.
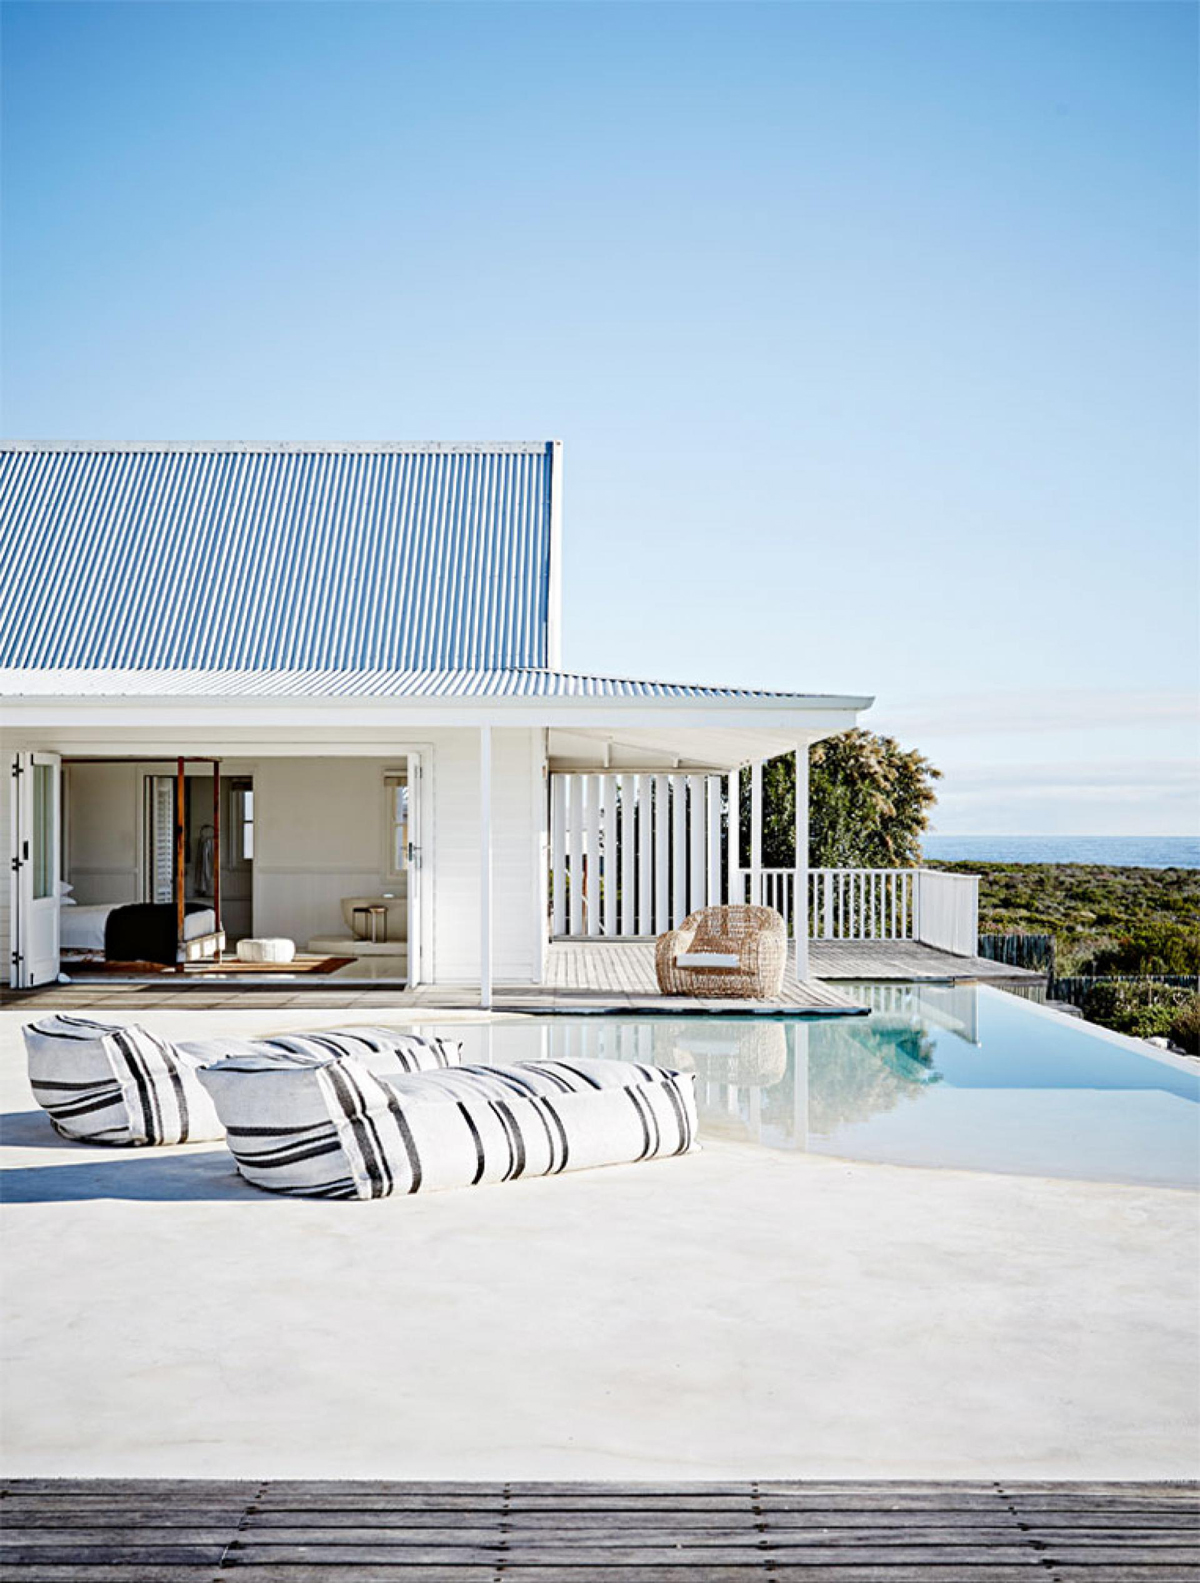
(419, 893)
(35, 931)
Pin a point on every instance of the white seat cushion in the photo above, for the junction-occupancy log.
(708, 959)
(102, 1083)
(277, 950)
(328, 1128)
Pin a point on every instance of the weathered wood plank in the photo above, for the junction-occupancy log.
(114, 1555)
(517, 1553)
(138, 1535)
(35, 1572)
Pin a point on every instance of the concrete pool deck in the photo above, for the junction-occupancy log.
(738, 1313)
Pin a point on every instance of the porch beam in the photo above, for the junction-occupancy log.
(485, 867)
(800, 883)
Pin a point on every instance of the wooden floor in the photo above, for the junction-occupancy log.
(57, 1531)
(908, 960)
(582, 975)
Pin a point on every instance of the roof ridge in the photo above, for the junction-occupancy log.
(291, 447)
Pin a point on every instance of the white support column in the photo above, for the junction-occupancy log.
(679, 850)
(485, 866)
(712, 896)
(756, 896)
(733, 856)
(800, 909)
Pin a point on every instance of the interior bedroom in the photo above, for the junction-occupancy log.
(317, 891)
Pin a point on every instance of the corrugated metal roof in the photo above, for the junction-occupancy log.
(241, 558)
(518, 683)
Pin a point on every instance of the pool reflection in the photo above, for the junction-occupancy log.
(942, 1075)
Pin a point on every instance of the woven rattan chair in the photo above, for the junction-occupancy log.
(755, 937)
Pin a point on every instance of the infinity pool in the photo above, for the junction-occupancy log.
(960, 1077)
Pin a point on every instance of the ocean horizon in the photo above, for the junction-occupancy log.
(1125, 851)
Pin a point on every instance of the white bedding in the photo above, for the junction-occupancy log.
(82, 928)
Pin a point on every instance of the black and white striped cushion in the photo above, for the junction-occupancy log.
(385, 1051)
(328, 1128)
(100, 1083)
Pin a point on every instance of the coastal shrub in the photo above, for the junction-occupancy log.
(1166, 948)
(1185, 1026)
(1144, 1010)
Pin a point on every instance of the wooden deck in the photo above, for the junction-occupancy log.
(280, 1531)
(582, 976)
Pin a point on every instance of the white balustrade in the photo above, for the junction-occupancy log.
(631, 854)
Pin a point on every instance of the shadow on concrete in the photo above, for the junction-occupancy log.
(147, 1178)
(31, 1129)
(201, 1173)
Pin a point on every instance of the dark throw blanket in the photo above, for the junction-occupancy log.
(144, 932)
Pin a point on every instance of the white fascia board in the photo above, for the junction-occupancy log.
(803, 718)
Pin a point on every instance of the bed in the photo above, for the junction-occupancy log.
(139, 931)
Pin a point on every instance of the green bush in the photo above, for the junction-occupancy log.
(1185, 1026)
(1146, 1011)
(1166, 948)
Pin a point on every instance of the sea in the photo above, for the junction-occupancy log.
(1133, 851)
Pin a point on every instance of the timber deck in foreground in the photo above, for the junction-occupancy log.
(285, 1531)
(581, 976)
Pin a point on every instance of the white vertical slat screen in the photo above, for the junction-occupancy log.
(625, 791)
(558, 854)
(575, 785)
(632, 855)
(662, 855)
(645, 915)
(591, 860)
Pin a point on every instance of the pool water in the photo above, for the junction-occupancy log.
(960, 1077)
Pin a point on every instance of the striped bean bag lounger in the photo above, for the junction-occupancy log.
(328, 1128)
(101, 1082)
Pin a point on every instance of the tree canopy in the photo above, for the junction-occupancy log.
(869, 804)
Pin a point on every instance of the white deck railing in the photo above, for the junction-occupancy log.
(878, 904)
(632, 855)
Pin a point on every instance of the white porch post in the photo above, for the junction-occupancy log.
(485, 866)
(800, 883)
(756, 895)
(733, 856)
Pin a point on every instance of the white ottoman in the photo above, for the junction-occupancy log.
(266, 950)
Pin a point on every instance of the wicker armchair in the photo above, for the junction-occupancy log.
(756, 936)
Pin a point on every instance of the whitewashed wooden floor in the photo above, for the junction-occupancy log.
(582, 975)
(908, 960)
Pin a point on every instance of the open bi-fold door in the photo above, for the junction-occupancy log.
(36, 868)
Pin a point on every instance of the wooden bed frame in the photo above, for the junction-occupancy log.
(200, 946)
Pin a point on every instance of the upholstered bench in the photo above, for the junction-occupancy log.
(329, 1128)
(103, 1083)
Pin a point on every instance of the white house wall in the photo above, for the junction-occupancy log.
(102, 821)
(6, 882)
(320, 834)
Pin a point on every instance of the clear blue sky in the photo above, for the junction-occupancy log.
(870, 329)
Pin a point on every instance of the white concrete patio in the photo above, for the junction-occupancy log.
(740, 1312)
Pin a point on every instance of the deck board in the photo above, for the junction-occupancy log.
(581, 976)
(288, 1531)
